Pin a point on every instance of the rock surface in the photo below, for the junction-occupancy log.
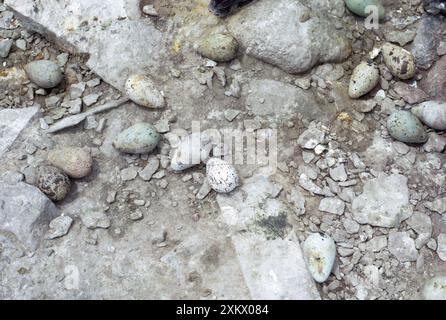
(384, 202)
(12, 122)
(270, 30)
(25, 212)
(136, 51)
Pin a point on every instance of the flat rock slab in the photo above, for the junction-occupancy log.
(111, 32)
(12, 122)
(281, 101)
(384, 202)
(25, 212)
(276, 32)
(270, 256)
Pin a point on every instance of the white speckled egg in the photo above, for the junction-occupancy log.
(141, 90)
(222, 176)
(435, 288)
(319, 253)
(432, 114)
(365, 77)
(400, 62)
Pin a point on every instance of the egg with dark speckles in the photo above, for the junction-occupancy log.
(406, 127)
(365, 77)
(401, 63)
(221, 175)
(53, 182)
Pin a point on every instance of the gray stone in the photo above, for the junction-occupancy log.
(149, 170)
(338, 173)
(402, 246)
(292, 100)
(436, 143)
(108, 38)
(59, 227)
(441, 246)
(332, 205)
(91, 99)
(438, 205)
(76, 90)
(95, 219)
(277, 265)
(271, 30)
(25, 212)
(5, 47)
(205, 189)
(128, 174)
(298, 200)
(376, 244)
(351, 226)
(420, 222)
(311, 137)
(384, 202)
(12, 122)
(21, 44)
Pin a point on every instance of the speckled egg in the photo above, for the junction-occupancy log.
(222, 176)
(432, 114)
(400, 62)
(435, 288)
(75, 162)
(365, 77)
(139, 138)
(359, 7)
(44, 73)
(218, 47)
(405, 127)
(142, 90)
(53, 182)
(319, 253)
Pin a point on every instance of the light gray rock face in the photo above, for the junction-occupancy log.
(272, 261)
(107, 39)
(273, 31)
(25, 212)
(12, 122)
(384, 202)
(402, 246)
(282, 100)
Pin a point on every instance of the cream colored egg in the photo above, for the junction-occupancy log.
(142, 91)
(400, 62)
(365, 77)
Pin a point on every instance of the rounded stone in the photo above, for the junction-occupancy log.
(360, 7)
(432, 114)
(44, 73)
(365, 77)
(319, 253)
(405, 127)
(435, 288)
(139, 138)
(75, 162)
(218, 47)
(53, 182)
(221, 175)
(142, 91)
(401, 63)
